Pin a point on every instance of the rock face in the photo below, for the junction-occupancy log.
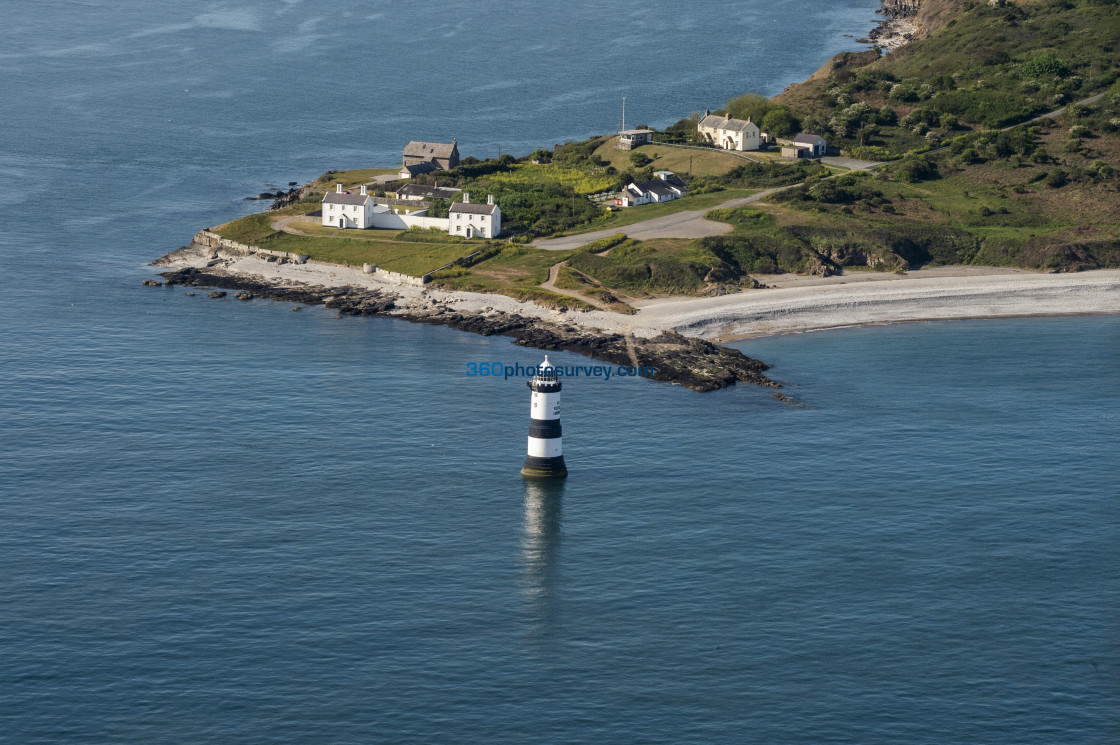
(693, 363)
(291, 196)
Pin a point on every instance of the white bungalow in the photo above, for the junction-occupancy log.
(342, 209)
(475, 220)
(667, 187)
(729, 133)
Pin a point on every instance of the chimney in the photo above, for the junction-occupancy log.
(489, 198)
(707, 112)
(363, 191)
(466, 197)
(338, 188)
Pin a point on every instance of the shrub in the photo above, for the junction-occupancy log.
(1045, 63)
(1057, 179)
(915, 168)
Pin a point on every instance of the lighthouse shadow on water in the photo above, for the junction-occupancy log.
(540, 548)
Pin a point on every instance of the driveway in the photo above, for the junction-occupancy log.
(687, 224)
(852, 163)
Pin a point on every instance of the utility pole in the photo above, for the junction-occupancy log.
(624, 112)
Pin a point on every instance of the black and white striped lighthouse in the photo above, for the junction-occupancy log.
(546, 449)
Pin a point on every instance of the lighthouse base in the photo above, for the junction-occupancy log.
(545, 468)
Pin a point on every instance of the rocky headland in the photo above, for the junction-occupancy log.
(693, 363)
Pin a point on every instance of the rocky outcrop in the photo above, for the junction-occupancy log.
(283, 198)
(696, 364)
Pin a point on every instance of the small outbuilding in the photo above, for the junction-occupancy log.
(628, 139)
(815, 143)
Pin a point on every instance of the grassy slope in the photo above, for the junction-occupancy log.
(978, 64)
(675, 159)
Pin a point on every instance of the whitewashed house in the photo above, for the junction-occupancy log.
(475, 220)
(666, 188)
(342, 209)
(728, 133)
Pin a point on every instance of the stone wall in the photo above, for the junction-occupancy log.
(396, 277)
(214, 241)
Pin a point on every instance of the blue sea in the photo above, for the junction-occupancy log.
(223, 522)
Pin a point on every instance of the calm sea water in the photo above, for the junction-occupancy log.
(225, 522)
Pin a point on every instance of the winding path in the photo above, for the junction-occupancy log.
(550, 285)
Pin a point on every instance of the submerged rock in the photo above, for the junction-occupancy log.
(152, 283)
(216, 294)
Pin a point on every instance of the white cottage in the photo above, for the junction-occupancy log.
(729, 133)
(341, 209)
(475, 220)
(667, 187)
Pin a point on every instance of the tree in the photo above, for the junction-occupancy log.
(749, 106)
(780, 122)
(541, 155)
(639, 159)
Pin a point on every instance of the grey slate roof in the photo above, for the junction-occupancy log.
(474, 209)
(659, 187)
(419, 190)
(722, 122)
(416, 149)
(805, 139)
(335, 198)
(419, 168)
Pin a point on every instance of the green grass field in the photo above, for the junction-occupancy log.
(355, 177)
(675, 159)
(581, 181)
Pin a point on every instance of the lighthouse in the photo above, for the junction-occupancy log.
(546, 450)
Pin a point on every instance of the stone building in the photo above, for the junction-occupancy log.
(440, 156)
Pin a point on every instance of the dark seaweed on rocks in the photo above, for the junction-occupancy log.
(696, 364)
